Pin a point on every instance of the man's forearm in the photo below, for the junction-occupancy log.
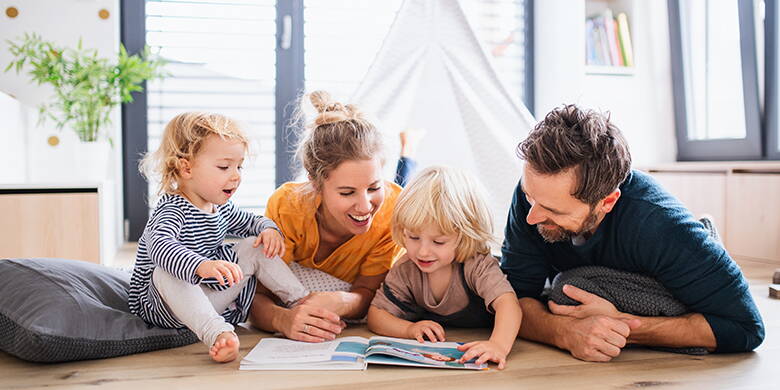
(540, 325)
(690, 330)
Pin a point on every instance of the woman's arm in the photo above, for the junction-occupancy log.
(349, 304)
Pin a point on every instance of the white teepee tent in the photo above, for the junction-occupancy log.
(432, 73)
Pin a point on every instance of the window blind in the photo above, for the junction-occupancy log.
(221, 59)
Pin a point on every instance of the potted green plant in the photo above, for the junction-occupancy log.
(86, 87)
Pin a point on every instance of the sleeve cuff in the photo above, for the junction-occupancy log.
(733, 337)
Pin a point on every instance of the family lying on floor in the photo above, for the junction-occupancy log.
(347, 245)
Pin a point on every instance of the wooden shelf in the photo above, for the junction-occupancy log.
(715, 167)
(602, 70)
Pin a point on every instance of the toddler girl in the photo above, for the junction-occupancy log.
(185, 275)
(447, 276)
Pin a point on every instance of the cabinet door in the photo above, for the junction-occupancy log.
(63, 225)
(701, 193)
(754, 215)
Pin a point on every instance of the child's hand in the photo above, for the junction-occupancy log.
(430, 329)
(273, 243)
(486, 350)
(221, 270)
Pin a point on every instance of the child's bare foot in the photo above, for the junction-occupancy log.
(225, 349)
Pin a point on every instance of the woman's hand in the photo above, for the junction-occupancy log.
(221, 270)
(309, 323)
(273, 243)
(485, 351)
(421, 329)
(334, 301)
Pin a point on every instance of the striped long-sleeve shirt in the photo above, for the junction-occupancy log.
(178, 237)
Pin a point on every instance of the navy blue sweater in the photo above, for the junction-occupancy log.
(651, 233)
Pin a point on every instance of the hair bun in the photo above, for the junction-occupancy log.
(330, 111)
(322, 101)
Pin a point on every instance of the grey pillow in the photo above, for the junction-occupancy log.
(55, 310)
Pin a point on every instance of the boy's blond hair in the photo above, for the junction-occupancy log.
(182, 139)
(450, 200)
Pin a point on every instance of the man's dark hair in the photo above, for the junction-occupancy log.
(570, 137)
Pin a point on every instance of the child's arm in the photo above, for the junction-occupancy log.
(167, 252)
(383, 323)
(244, 224)
(507, 325)
(164, 248)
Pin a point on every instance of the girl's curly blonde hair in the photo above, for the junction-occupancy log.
(182, 139)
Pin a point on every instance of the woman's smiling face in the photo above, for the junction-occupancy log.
(352, 194)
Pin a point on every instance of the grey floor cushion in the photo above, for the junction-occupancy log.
(55, 310)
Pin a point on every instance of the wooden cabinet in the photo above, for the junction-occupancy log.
(695, 191)
(743, 198)
(753, 201)
(62, 222)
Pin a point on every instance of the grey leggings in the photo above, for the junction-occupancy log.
(199, 307)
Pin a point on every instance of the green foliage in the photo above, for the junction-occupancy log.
(86, 87)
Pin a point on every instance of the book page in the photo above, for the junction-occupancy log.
(442, 354)
(274, 350)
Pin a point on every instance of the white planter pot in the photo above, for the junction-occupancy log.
(67, 159)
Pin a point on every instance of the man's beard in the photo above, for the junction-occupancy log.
(559, 234)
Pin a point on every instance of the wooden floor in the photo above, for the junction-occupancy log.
(530, 366)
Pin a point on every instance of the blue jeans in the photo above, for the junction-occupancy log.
(404, 170)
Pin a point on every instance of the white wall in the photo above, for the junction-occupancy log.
(640, 104)
(13, 168)
(63, 22)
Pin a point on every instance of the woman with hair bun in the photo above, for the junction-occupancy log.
(336, 224)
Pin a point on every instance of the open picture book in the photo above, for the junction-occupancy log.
(353, 353)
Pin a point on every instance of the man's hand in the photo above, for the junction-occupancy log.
(598, 338)
(273, 243)
(591, 305)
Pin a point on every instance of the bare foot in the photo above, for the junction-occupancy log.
(225, 349)
(410, 138)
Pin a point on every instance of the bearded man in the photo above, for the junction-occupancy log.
(580, 204)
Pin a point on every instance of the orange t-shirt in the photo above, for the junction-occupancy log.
(368, 254)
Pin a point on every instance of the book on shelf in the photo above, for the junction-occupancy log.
(592, 57)
(607, 40)
(353, 353)
(624, 36)
(603, 42)
(610, 30)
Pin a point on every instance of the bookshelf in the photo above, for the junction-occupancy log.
(609, 48)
